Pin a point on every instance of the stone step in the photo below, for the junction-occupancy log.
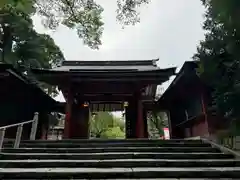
(112, 141)
(118, 163)
(111, 149)
(117, 173)
(87, 145)
(136, 143)
(126, 155)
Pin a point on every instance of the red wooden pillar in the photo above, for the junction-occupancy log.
(68, 117)
(128, 122)
(77, 121)
(168, 112)
(145, 121)
(131, 118)
(138, 110)
(82, 123)
(75, 128)
(140, 121)
(135, 126)
(204, 109)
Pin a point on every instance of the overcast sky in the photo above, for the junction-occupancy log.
(169, 30)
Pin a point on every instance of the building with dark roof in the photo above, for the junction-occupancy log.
(105, 86)
(20, 98)
(187, 100)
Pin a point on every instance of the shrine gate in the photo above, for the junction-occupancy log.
(90, 86)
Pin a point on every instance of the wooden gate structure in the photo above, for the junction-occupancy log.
(90, 86)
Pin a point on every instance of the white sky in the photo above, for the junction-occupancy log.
(169, 30)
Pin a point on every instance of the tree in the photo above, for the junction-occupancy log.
(113, 133)
(84, 16)
(100, 123)
(23, 47)
(103, 124)
(219, 56)
(118, 122)
(156, 123)
(38, 51)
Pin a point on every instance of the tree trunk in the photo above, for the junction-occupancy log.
(7, 42)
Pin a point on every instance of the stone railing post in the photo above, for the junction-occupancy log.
(2, 134)
(18, 136)
(34, 127)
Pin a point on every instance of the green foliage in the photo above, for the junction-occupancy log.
(100, 122)
(117, 122)
(113, 133)
(104, 124)
(156, 123)
(84, 16)
(21, 45)
(26, 6)
(219, 55)
(127, 11)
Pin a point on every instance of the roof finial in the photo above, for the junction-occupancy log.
(155, 61)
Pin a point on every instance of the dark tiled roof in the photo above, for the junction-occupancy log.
(107, 71)
(187, 70)
(143, 65)
(31, 83)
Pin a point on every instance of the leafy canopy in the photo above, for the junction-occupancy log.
(219, 55)
(105, 125)
(156, 123)
(113, 133)
(85, 16)
(21, 45)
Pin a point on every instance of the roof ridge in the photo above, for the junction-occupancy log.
(108, 63)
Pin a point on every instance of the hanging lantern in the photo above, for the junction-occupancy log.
(85, 104)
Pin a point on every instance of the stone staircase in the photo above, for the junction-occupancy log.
(116, 159)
